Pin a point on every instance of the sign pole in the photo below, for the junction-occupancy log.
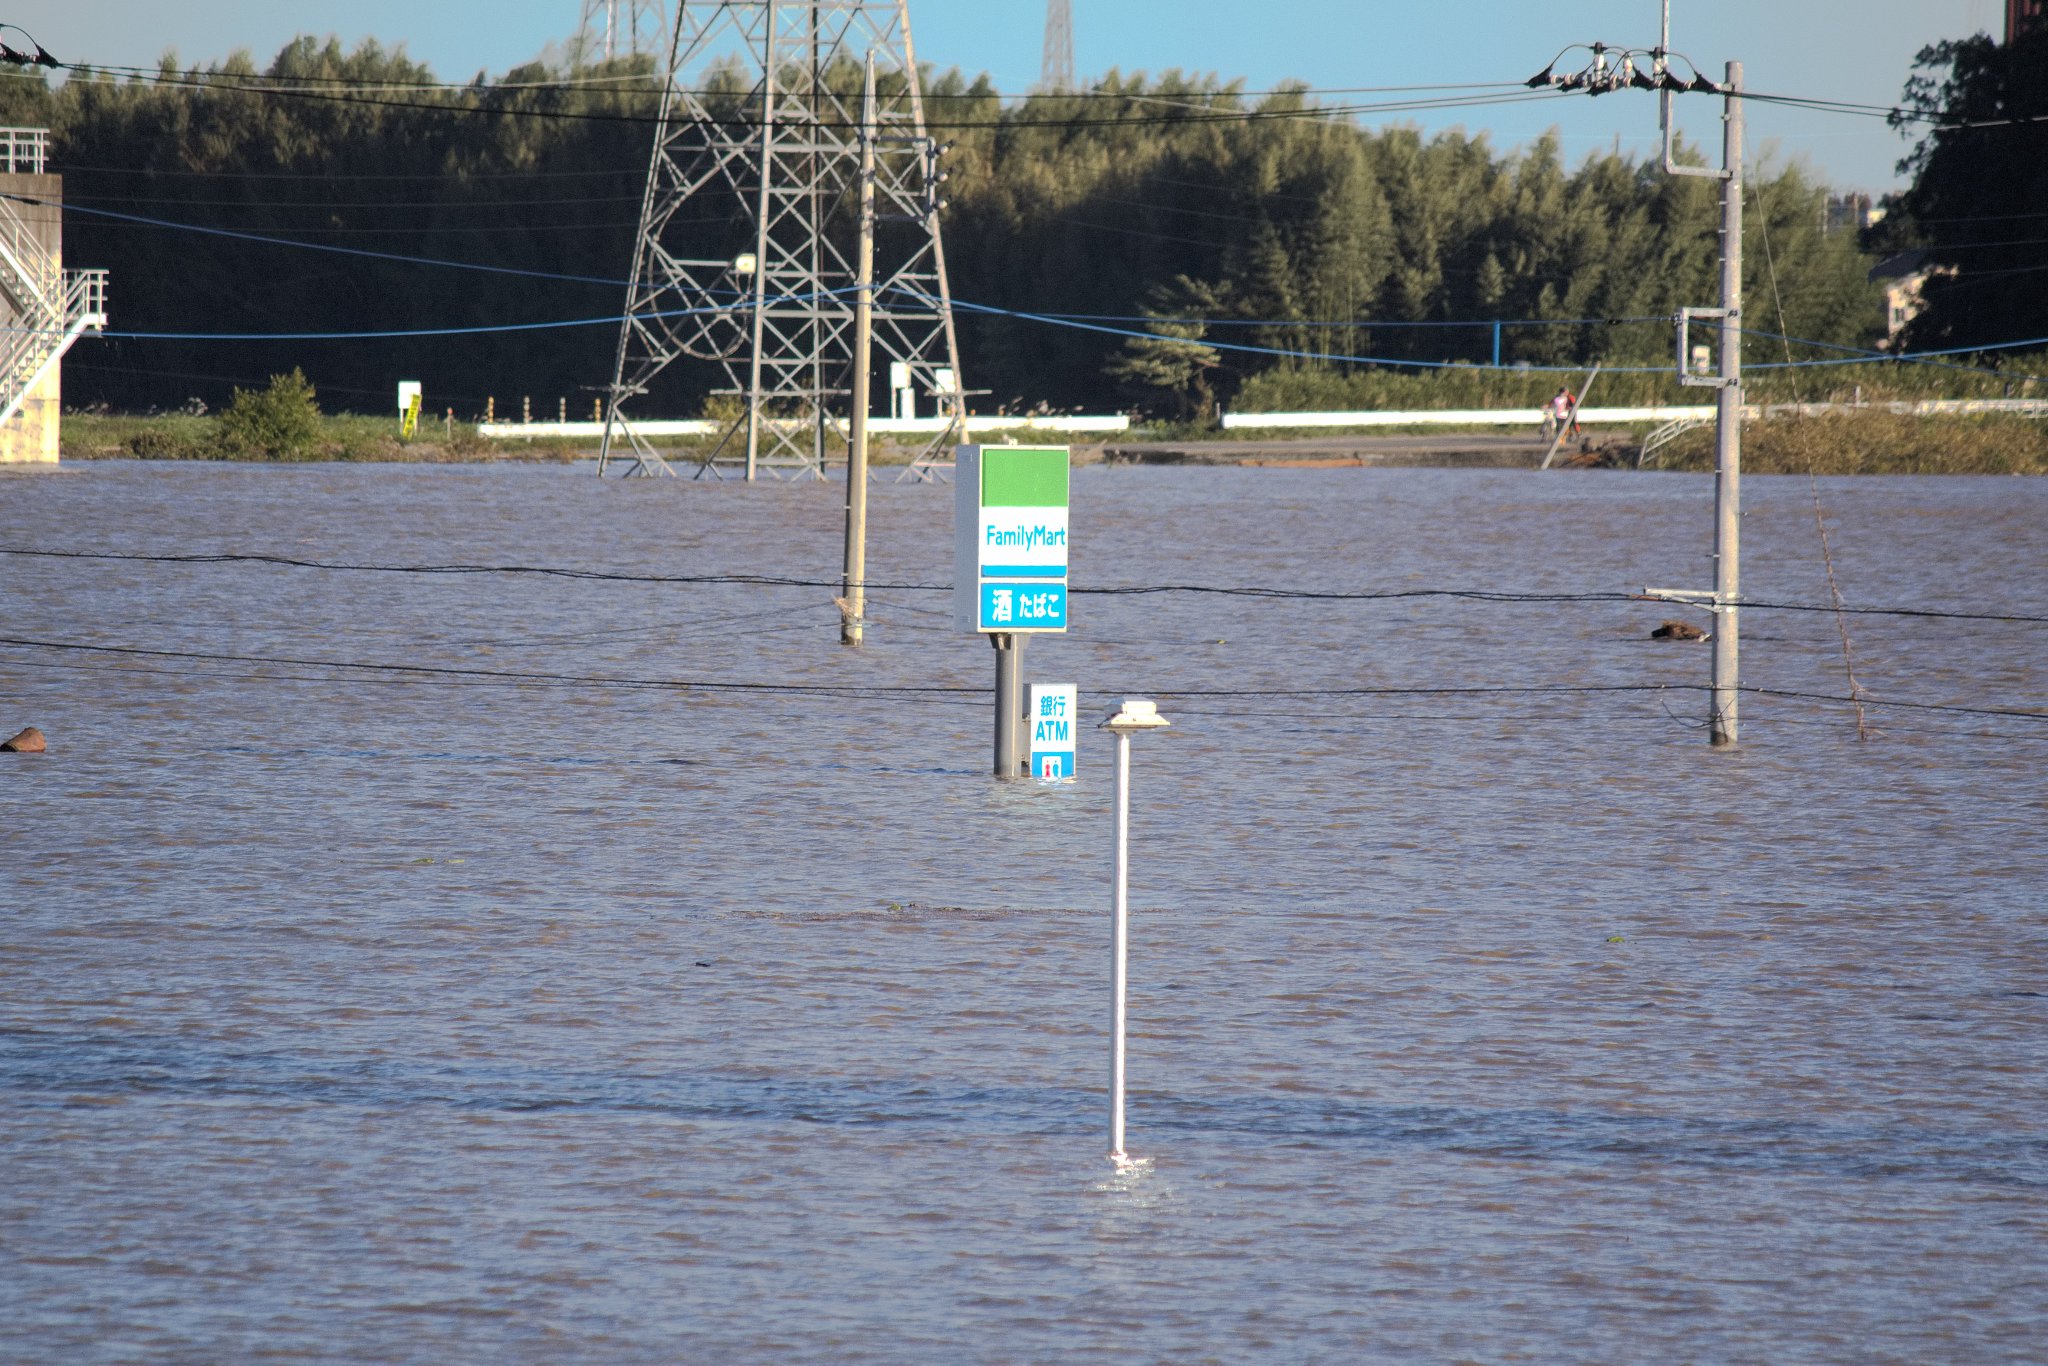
(1009, 754)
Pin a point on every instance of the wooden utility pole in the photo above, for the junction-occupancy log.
(853, 585)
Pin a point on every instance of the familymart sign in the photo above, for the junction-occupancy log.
(1010, 539)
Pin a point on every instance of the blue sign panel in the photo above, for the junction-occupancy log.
(1023, 606)
(1052, 768)
(1052, 713)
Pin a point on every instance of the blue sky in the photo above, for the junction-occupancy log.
(1858, 50)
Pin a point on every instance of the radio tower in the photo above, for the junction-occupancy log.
(747, 243)
(1058, 73)
(615, 28)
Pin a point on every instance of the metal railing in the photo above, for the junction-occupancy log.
(25, 151)
(31, 347)
(85, 299)
(1656, 441)
(29, 274)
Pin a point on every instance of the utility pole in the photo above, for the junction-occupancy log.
(1614, 69)
(1728, 430)
(853, 599)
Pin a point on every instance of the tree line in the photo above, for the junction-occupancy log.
(1242, 246)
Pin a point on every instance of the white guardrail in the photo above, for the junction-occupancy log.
(1533, 417)
(877, 426)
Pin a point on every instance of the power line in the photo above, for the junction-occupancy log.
(1270, 592)
(342, 90)
(651, 81)
(1512, 95)
(320, 246)
(917, 692)
(1927, 358)
(504, 675)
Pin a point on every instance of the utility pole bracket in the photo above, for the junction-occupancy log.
(1687, 376)
(1690, 597)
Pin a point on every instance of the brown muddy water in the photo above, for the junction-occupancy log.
(434, 1017)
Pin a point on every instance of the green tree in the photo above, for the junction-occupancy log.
(1172, 365)
(1979, 194)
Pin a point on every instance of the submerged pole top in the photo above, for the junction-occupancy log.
(1135, 714)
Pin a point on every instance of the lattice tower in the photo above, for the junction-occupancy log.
(748, 234)
(1058, 70)
(619, 28)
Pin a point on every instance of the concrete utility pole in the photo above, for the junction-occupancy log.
(1728, 430)
(853, 600)
(1722, 727)
(1613, 69)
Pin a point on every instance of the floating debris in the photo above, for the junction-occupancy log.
(29, 741)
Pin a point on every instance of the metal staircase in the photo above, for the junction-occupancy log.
(47, 307)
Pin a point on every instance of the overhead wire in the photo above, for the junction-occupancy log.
(933, 691)
(1255, 591)
(1508, 93)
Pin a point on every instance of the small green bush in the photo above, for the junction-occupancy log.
(281, 422)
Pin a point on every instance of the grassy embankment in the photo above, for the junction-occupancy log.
(1871, 441)
(340, 436)
(354, 437)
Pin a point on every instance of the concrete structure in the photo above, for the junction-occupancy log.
(43, 307)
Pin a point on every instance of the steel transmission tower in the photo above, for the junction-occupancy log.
(1058, 71)
(616, 28)
(747, 243)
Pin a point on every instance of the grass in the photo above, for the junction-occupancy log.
(1877, 443)
(354, 437)
(342, 436)
(1313, 390)
(1867, 442)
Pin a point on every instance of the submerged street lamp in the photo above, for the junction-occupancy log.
(1136, 714)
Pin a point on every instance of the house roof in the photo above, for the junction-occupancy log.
(1901, 264)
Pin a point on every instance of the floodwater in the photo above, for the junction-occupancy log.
(384, 1016)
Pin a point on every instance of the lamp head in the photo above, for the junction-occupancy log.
(1135, 714)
